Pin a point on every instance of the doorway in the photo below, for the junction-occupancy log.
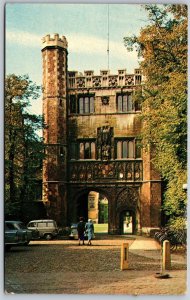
(127, 222)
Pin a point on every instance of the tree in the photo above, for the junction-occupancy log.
(162, 45)
(23, 147)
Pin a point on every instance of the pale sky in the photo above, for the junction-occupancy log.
(86, 29)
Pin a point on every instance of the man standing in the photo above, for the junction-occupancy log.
(81, 230)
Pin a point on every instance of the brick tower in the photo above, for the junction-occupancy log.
(54, 55)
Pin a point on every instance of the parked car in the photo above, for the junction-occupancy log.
(46, 228)
(16, 234)
(74, 233)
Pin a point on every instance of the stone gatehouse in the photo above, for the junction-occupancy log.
(91, 135)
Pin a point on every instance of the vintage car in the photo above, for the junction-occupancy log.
(16, 234)
(47, 229)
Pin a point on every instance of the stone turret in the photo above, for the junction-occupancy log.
(47, 41)
(54, 54)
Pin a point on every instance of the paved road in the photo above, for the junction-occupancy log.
(63, 267)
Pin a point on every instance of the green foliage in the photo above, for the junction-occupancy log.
(23, 147)
(162, 45)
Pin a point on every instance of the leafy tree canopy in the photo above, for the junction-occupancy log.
(162, 45)
(23, 146)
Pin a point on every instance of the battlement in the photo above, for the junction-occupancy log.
(79, 80)
(47, 41)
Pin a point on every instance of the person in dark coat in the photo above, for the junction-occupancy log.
(81, 230)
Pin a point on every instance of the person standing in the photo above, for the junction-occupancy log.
(90, 230)
(81, 230)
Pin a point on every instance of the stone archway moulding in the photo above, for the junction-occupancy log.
(127, 198)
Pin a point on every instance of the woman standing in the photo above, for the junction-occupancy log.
(90, 230)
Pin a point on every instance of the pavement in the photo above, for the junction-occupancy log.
(63, 267)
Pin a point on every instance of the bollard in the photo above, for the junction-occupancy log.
(166, 259)
(124, 256)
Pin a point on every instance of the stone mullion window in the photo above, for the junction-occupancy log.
(125, 149)
(87, 150)
(81, 151)
(124, 103)
(85, 104)
(129, 103)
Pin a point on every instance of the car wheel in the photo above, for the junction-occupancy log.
(48, 236)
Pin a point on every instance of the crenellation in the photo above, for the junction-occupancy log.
(56, 41)
(105, 79)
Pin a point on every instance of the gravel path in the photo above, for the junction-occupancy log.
(63, 267)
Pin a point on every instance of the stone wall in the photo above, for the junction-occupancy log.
(62, 127)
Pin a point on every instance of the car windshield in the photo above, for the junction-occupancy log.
(20, 226)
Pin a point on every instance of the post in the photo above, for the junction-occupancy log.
(124, 256)
(166, 258)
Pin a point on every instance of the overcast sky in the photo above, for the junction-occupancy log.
(86, 29)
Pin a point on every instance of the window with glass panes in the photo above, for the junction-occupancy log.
(85, 104)
(87, 150)
(124, 102)
(127, 148)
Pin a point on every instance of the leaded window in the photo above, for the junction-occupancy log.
(87, 150)
(124, 102)
(83, 104)
(86, 104)
(127, 148)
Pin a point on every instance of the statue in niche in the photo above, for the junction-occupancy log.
(105, 135)
(105, 142)
(105, 152)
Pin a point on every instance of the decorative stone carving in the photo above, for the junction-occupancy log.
(80, 82)
(113, 81)
(121, 171)
(128, 198)
(129, 80)
(105, 100)
(88, 79)
(104, 142)
(104, 170)
(96, 81)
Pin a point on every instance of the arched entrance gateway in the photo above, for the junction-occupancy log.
(94, 164)
(91, 204)
(117, 207)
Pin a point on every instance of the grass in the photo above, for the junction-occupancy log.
(101, 228)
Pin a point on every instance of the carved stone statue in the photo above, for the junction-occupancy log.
(104, 142)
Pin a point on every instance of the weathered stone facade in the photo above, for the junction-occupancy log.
(92, 143)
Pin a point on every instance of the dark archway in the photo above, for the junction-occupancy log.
(82, 207)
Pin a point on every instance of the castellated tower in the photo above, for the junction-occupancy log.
(54, 55)
(92, 145)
